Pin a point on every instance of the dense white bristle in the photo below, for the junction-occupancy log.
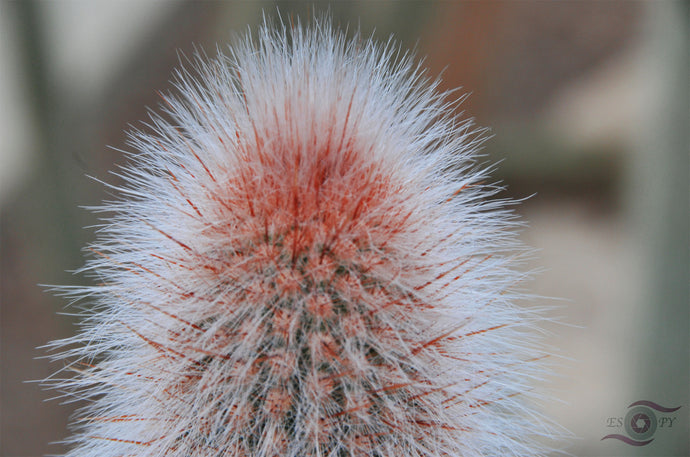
(305, 261)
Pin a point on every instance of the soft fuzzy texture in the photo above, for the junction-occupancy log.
(306, 261)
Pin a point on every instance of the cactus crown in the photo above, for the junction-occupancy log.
(304, 262)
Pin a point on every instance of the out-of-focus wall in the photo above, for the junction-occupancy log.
(588, 103)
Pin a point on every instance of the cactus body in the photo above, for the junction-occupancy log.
(305, 261)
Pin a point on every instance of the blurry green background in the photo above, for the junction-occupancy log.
(589, 105)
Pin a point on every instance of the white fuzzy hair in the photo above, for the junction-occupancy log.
(306, 260)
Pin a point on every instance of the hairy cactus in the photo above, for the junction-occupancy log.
(305, 260)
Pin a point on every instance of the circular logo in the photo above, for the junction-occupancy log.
(640, 423)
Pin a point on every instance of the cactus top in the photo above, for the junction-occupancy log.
(306, 260)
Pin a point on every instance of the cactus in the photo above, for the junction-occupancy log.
(305, 260)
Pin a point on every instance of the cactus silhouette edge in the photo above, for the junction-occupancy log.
(305, 259)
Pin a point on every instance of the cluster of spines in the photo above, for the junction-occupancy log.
(297, 270)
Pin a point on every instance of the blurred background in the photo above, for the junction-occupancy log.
(589, 105)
